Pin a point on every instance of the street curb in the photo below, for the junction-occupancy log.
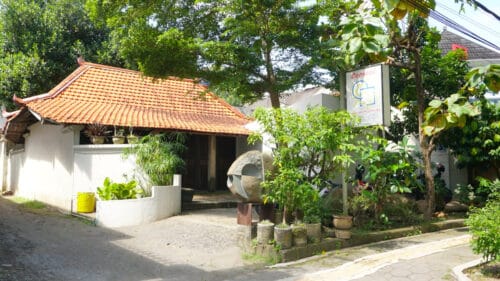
(457, 271)
(331, 244)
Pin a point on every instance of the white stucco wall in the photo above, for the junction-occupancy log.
(164, 202)
(43, 171)
(15, 163)
(93, 163)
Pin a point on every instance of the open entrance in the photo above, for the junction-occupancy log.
(196, 174)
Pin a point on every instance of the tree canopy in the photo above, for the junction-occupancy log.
(39, 44)
(243, 48)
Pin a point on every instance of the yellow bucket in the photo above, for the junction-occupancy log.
(85, 202)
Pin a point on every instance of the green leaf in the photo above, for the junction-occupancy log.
(435, 103)
(355, 44)
(371, 47)
(382, 39)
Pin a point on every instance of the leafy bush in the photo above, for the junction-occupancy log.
(485, 227)
(391, 168)
(465, 194)
(469, 195)
(158, 156)
(116, 191)
(308, 149)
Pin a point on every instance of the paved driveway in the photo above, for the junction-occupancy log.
(194, 246)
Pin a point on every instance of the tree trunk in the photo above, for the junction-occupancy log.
(275, 99)
(425, 146)
(271, 77)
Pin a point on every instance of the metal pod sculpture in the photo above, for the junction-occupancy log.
(246, 173)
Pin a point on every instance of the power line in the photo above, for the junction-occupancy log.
(484, 8)
(468, 19)
(449, 22)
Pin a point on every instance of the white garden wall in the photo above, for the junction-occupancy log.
(93, 163)
(43, 169)
(164, 202)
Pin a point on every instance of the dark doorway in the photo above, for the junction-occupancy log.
(196, 173)
(226, 154)
(196, 157)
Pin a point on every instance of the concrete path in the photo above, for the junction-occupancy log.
(425, 257)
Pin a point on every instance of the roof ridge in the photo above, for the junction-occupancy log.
(105, 66)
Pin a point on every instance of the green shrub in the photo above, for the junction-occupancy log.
(484, 223)
(116, 191)
(158, 156)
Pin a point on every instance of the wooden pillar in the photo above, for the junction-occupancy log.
(212, 164)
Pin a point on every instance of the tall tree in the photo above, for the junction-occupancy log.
(442, 75)
(243, 48)
(39, 44)
(375, 32)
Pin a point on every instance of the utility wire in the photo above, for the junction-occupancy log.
(470, 20)
(449, 22)
(484, 8)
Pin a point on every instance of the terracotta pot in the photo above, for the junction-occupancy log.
(342, 222)
(283, 236)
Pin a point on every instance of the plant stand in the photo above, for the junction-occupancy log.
(264, 232)
(313, 232)
(283, 236)
(299, 235)
(343, 233)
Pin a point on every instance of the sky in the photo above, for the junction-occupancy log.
(477, 21)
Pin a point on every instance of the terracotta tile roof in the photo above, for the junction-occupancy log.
(121, 97)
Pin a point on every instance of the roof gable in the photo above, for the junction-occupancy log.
(121, 97)
(474, 50)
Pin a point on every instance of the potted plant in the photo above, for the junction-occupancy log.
(96, 132)
(299, 234)
(264, 231)
(283, 235)
(118, 137)
(131, 138)
(312, 220)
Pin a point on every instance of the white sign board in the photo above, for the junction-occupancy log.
(367, 94)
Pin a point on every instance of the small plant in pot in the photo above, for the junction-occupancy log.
(131, 138)
(312, 220)
(96, 132)
(283, 235)
(119, 137)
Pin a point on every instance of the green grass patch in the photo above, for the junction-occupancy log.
(28, 203)
(33, 204)
(257, 259)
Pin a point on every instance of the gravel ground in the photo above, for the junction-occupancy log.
(50, 246)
